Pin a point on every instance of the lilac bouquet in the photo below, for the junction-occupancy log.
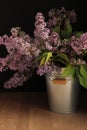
(21, 50)
(54, 45)
(60, 46)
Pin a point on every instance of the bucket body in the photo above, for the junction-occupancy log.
(63, 93)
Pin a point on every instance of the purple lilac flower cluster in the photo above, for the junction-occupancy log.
(46, 40)
(79, 44)
(44, 37)
(21, 52)
(56, 36)
(59, 15)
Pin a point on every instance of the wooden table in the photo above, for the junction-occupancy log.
(30, 111)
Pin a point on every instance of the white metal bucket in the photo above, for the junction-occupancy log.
(62, 94)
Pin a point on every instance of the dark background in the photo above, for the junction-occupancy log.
(22, 13)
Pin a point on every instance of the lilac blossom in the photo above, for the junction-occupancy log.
(17, 80)
(41, 30)
(60, 46)
(79, 44)
(20, 58)
(44, 38)
(45, 69)
(52, 22)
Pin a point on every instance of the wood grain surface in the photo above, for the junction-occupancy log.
(30, 111)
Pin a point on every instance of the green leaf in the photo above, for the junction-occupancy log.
(83, 75)
(66, 32)
(83, 81)
(63, 57)
(57, 29)
(83, 70)
(69, 71)
(48, 56)
(78, 34)
(42, 62)
(60, 61)
(40, 56)
(45, 58)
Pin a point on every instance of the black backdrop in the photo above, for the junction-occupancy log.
(22, 13)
